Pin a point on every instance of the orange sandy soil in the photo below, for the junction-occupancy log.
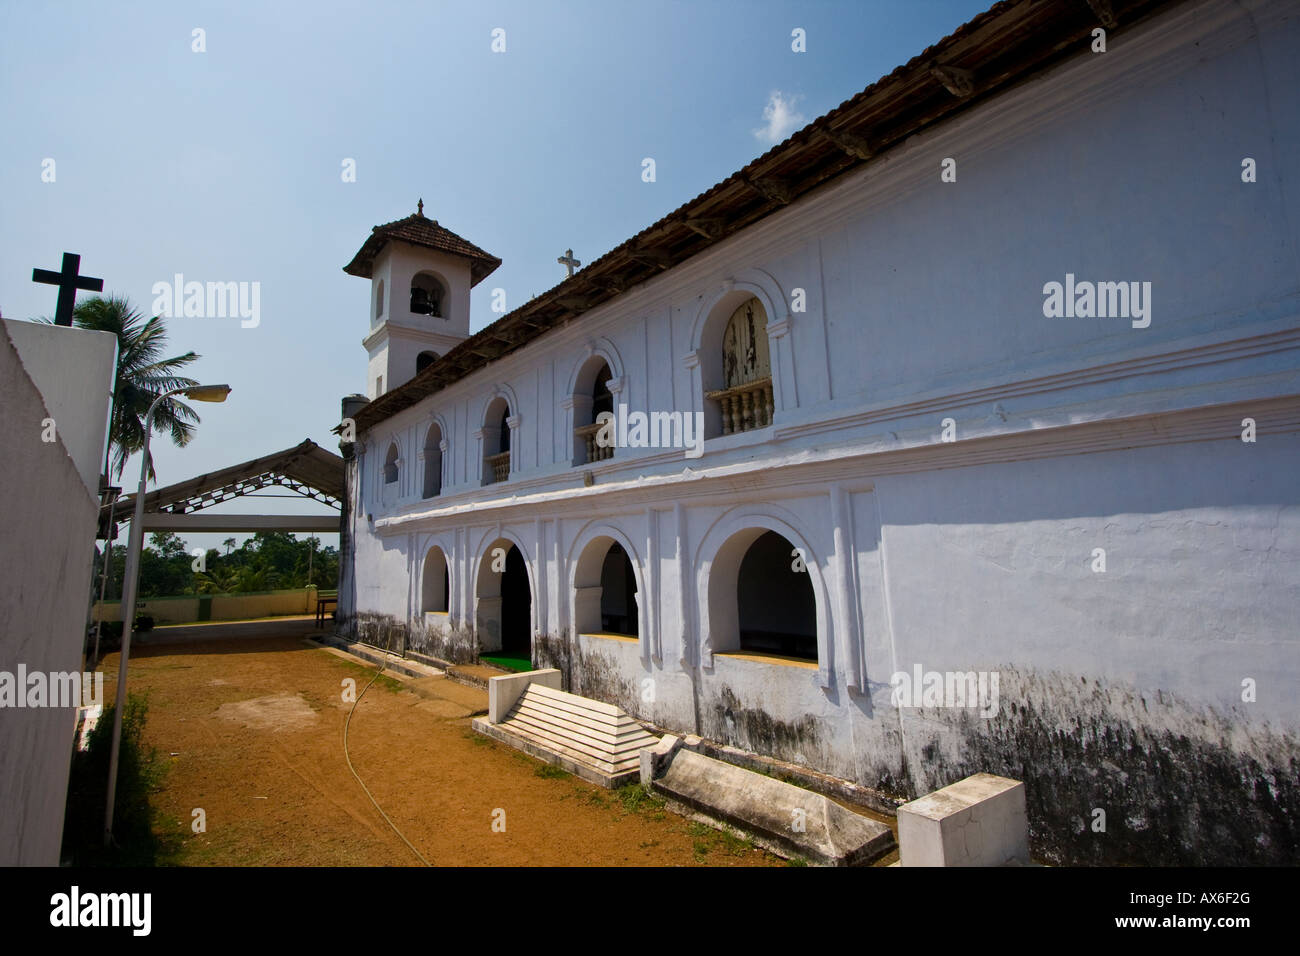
(251, 730)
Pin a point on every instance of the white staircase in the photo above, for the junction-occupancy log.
(595, 740)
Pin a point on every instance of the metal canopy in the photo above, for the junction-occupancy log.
(306, 469)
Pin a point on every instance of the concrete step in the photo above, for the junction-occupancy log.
(595, 740)
(374, 655)
(788, 820)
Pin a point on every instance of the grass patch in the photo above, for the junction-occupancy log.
(707, 839)
(509, 662)
(550, 771)
(638, 799)
(140, 773)
(796, 861)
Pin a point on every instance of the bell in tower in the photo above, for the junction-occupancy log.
(420, 303)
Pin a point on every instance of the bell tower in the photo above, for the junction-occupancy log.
(420, 277)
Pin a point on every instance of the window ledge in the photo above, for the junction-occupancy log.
(762, 657)
(627, 638)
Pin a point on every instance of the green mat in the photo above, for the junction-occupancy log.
(511, 662)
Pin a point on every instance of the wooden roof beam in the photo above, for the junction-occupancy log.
(773, 187)
(652, 257)
(1104, 13)
(858, 147)
(578, 303)
(710, 227)
(955, 80)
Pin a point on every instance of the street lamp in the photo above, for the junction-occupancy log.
(130, 582)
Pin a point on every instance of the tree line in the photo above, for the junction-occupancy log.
(267, 561)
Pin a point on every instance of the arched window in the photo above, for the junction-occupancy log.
(777, 610)
(390, 465)
(434, 587)
(427, 295)
(496, 441)
(601, 398)
(618, 606)
(761, 598)
(594, 398)
(433, 461)
(605, 598)
(379, 299)
(745, 399)
(424, 360)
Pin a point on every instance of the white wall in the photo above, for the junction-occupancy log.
(47, 532)
(75, 371)
(925, 303)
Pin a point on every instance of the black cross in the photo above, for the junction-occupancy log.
(68, 282)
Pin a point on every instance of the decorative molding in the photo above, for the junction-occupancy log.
(778, 328)
(864, 464)
(1211, 353)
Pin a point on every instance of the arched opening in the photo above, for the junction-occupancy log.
(435, 582)
(496, 441)
(390, 465)
(737, 368)
(777, 609)
(761, 597)
(427, 295)
(504, 614)
(424, 360)
(379, 299)
(591, 397)
(605, 590)
(433, 461)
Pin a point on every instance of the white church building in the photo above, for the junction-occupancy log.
(997, 367)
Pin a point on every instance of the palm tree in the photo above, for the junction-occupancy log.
(142, 375)
(217, 581)
(230, 545)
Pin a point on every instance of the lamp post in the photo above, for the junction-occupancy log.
(112, 494)
(131, 580)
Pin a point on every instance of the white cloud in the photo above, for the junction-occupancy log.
(781, 118)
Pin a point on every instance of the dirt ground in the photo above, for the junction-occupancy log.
(251, 729)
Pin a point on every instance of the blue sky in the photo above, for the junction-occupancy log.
(226, 165)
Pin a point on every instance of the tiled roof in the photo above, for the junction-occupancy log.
(1005, 45)
(419, 230)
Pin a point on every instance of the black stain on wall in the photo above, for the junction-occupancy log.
(1180, 786)
(730, 721)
